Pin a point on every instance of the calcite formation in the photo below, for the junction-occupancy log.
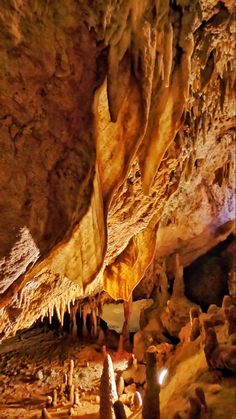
(116, 136)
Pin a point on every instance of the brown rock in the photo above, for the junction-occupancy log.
(119, 410)
(219, 356)
(108, 393)
(151, 406)
(127, 143)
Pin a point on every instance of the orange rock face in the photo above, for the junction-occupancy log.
(116, 138)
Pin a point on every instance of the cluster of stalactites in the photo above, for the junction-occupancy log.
(90, 307)
(150, 47)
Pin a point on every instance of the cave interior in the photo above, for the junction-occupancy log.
(117, 203)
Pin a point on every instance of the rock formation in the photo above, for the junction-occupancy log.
(108, 393)
(151, 403)
(116, 138)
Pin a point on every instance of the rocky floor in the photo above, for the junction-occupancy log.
(34, 363)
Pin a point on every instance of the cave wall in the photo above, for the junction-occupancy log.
(117, 145)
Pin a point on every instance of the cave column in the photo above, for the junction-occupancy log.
(125, 330)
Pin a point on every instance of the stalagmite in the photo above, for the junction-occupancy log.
(195, 408)
(226, 303)
(195, 329)
(137, 400)
(101, 337)
(76, 397)
(231, 318)
(219, 356)
(54, 399)
(119, 410)
(193, 314)
(151, 404)
(104, 351)
(194, 324)
(70, 374)
(62, 389)
(120, 384)
(65, 379)
(49, 401)
(108, 393)
(45, 414)
(72, 394)
(201, 396)
(178, 287)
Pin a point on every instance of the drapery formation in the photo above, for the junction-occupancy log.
(112, 114)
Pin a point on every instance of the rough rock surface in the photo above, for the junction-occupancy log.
(116, 138)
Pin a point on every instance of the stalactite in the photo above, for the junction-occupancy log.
(62, 311)
(167, 58)
(50, 313)
(120, 349)
(125, 330)
(93, 309)
(57, 309)
(86, 311)
(20, 298)
(73, 321)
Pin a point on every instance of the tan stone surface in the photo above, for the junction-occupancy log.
(116, 139)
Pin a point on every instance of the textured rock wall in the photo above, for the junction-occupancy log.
(116, 136)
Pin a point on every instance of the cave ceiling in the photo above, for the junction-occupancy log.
(117, 144)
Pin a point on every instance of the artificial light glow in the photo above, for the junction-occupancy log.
(163, 373)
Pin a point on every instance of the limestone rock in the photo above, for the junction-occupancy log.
(117, 145)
